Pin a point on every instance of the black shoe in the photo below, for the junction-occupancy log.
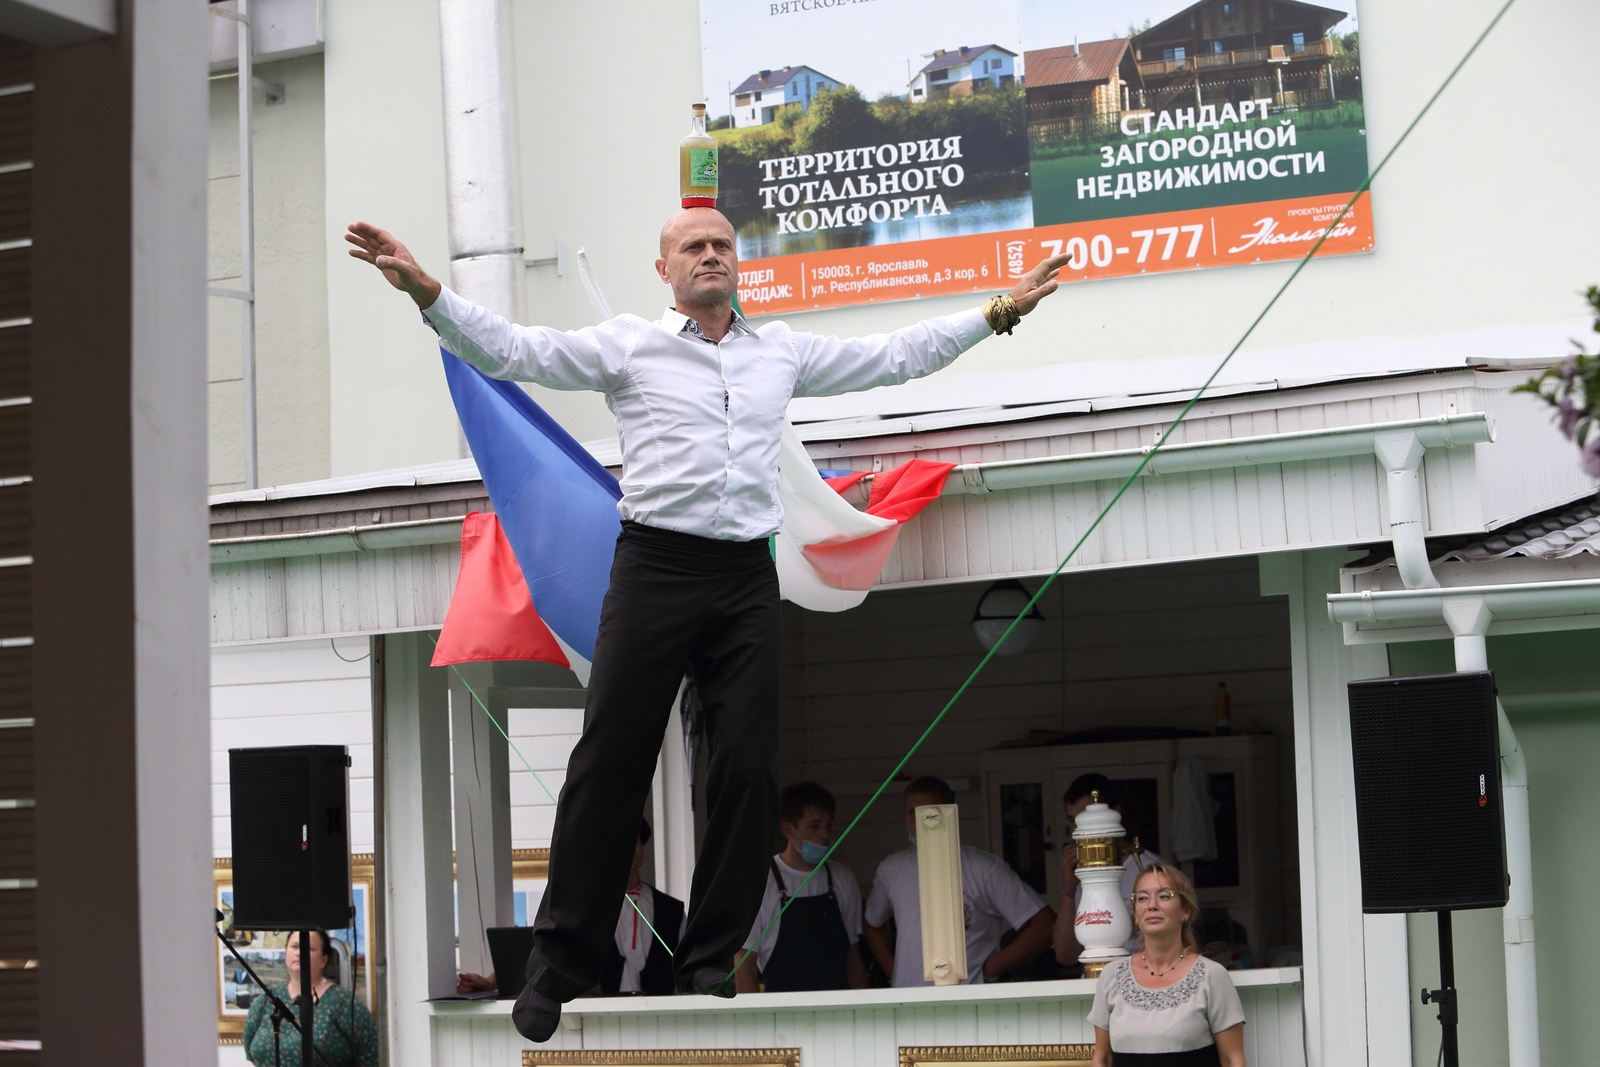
(708, 982)
(535, 1015)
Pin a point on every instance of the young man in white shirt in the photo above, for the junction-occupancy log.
(993, 895)
(814, 943)
(1079, 795)
(699, 397)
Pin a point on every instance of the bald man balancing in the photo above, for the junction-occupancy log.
(699, 398)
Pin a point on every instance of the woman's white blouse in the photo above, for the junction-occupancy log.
(1179, 1018)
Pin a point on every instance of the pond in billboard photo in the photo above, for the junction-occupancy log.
(866, 123)
(1142, 106)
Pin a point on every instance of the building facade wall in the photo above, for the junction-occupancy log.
(291, 280)
(383, 160)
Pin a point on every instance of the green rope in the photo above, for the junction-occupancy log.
(490, 716)
(1128, 482)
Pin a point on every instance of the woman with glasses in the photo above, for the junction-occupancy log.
(343, 1031)
(1166, 1005)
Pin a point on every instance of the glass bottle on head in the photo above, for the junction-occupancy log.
(697, 163)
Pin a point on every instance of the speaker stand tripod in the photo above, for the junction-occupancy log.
(281, 1010)
(1445, 997)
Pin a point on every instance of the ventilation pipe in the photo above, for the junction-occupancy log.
(480, 162)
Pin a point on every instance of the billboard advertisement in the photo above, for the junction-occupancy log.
(878, 150)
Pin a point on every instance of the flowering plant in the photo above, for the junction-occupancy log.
(1572, 387)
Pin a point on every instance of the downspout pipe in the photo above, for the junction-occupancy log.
(1468, 618)
(1400, 454)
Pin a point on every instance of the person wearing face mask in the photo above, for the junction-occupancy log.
(814, 944)
(992, 896)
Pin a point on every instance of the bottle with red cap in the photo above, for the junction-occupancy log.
(697, 163)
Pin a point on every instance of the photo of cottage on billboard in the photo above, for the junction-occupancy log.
(876, 127)
(1188, 106)
(891, 149)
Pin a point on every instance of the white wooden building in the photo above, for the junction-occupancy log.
(1215, 566)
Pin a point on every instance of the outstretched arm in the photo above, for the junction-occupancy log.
(831, 365)
(399, 267)
(580, 359)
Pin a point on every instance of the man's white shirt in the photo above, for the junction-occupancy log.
(699, 422)
(633, 937)
(845, 890)
(992, 893)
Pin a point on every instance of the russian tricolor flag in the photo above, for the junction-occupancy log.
(533, 575)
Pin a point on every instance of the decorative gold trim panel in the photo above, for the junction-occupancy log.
(1006, 1055)
(711, 1057)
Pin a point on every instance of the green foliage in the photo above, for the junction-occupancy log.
(1346, 50)
(1572, 387)
(839, 118)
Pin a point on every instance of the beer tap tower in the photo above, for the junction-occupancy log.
(1102, 922)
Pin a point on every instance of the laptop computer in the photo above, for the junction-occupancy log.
(509, 949)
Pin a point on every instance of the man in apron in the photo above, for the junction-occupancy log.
(813, 945)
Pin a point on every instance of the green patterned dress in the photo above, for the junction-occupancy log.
(344, 1031)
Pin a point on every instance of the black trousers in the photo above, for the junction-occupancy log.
(676, 602)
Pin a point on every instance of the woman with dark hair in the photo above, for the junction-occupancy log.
(1166, 1005)
(343, 1030)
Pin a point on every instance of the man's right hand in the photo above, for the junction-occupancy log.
(1069, 870)
(379, 248)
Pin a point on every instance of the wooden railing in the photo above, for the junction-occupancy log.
(1319, 48)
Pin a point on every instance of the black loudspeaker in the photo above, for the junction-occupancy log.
(1428, 811)
(291, 837)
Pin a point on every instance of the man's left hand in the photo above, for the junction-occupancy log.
(1038, 283)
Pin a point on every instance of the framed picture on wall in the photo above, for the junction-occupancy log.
(1078, 1055)
(530, 868)
(264, 950)
(711, 1057)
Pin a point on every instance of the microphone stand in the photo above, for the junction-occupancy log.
(280, 1008)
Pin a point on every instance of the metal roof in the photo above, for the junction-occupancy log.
(1574, 531)
(959, 56)
(1073, 64)
(771, 79)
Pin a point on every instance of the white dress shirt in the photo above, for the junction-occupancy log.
(699, 421)
(992, 894)
(633, 937)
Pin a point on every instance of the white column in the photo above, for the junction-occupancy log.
(1334, 933)
(417, 838)
(482, 791)
(672, 812)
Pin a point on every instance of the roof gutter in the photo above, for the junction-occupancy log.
(1527, 600)
(375, 538)
(1401, 442)
(1375, 439)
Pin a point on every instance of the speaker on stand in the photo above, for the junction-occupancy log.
(1429, 820)
(291, 850)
